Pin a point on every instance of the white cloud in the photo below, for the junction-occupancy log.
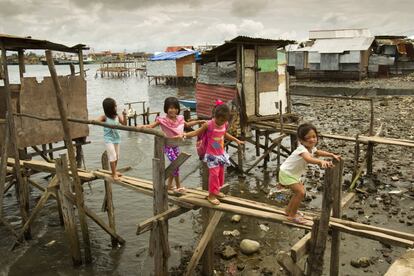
(151, 25)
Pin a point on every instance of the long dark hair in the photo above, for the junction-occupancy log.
(304, 129)
(109, 107)
(171, 102)
(222, 111)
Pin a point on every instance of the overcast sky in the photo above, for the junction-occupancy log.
(152, 25)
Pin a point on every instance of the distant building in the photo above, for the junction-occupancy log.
(179, 48)
(172, 67)
(332, 55)
(392, 55)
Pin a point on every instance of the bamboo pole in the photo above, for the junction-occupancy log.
(71, 154)
(21, 186)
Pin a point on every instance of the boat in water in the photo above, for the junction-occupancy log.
(191, 104)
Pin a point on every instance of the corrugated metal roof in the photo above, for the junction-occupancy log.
(228, 50)
(206, 95)
(16, 43)
(172, 55)
(339, 33)
(340, 45)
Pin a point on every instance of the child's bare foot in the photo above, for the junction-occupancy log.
(298, 220)
(181, 190)
(213, 200)
(118, 174)
(115, 177)
(221, 195)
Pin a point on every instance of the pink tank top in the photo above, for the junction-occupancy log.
(171, 128)
(215, 142)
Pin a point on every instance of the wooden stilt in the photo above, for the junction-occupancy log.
(21, 187)
(257, 132)
(3, 168)
(160, 206)
(108, 199)
(240, 149)
(267, 158)
(208, 255)
(67, 209)
(275, 142)
(71, 154)
(319, 236)
(336, 213)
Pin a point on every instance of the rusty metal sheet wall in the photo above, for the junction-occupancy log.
(206, 95)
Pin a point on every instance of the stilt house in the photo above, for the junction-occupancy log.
(39, 99)
(250, 72)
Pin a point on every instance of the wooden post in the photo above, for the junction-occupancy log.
(336, 213)
(356, 157)
(71, 154)
(315, 260)
(79, 151)
(72, 69)
(3, 168)
(370, 148)
(240, 158)
(22, 68)
(81, 68)
(208, 255)
(267, 147)
(257, 132)
(108, 199)
(21, 186)
(160, 233)
(67, 209)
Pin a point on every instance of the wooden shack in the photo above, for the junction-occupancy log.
(251, 72)
(172, 67)
(39, 99)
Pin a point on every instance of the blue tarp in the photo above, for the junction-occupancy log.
(174, 55)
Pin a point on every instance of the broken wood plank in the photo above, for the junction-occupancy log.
(170, 213)
(285, 261)
(208, 233)
(176, 164)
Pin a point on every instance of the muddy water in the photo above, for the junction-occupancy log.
(47, 253)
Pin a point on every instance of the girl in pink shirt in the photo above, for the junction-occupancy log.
(172, 124)
(215, 156)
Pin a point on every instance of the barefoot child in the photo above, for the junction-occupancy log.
(295, 166)
(215, 155)
(172, 124)
(111, 136)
